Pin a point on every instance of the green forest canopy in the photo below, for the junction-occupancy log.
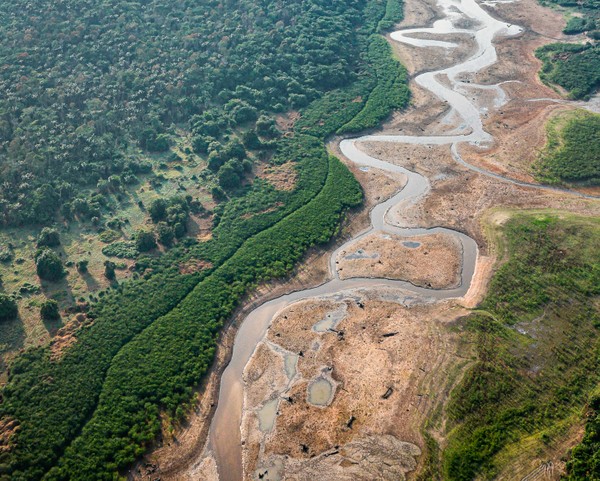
(84, 85)
(80, 424)
(572, 153)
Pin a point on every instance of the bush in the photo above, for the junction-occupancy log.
(145, 240)
(109, 270)
(585, 458)
(82, 265)
(165, 234)
(158, 210)
(575, 67)
(391, 91)
(394, 13)
(48, 237)
(8, 308)
(49, 310)
(573, 149)
(48, 265)
(121, 249)
(5, 253)
(577, 25)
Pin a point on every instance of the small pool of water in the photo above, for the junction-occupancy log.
(411, 244)
(290, 361)
(266, 415)
(361, 254)
(320, 392)
(331, 320)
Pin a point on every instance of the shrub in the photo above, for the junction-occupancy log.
(165, 234)
(145, 240)
(573, 149)
(48, 237)
(575, 67)
(5, 253)
(121, 249)
(109, 270)
(8, 308)
(82, 265)
(49, 310)
(158, 210)
(48, 265)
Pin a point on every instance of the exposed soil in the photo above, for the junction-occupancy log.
(282, 177)
(459, 196)
(383, 356)
(66, 336)
(429, 261)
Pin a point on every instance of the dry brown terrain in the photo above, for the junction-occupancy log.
(426, 261)
(383, 358)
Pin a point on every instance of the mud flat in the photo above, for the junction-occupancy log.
(427, 261)
(380, 398)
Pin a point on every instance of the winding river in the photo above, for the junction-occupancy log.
(450, 85)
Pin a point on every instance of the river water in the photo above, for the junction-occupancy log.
(447, 84)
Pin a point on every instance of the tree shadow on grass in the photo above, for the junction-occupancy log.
(12, 340)
(90, 281)
(53, 325)
(12, 335)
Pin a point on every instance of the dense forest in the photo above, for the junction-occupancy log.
(572, 152)
(219, 71)
(536, 345)
(574, 66)
(86, 88)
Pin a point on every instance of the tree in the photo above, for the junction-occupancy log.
(251, 140)
(229, 177)
(49, 310)
(158, 210)
(48, 265)
(218, 194)
(160, 144)
(8, 308)
(109, 270)
(265, 127)
(200, 144)
(82, 265)
(165, 234)
(145, 241)
(48, 238)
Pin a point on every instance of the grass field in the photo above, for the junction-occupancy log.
(572, 153)
(84, 241)
(534, 345)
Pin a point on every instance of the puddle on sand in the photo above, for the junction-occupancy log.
(331, 319)
(290, 361)
(411, 244)
(266, 415)
(273, 471)
(320, 392)
(361, 254)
